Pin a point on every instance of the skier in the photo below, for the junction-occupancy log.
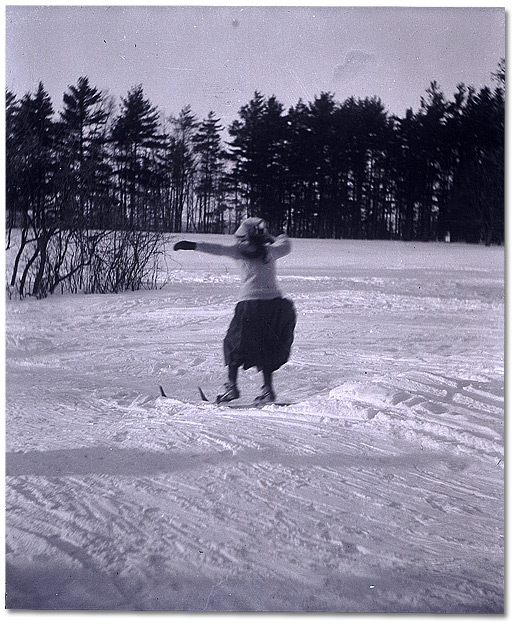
(261, 332)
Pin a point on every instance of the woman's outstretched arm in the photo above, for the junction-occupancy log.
(213, 248)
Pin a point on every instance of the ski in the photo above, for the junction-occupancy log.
(242, 405)
(232, 404)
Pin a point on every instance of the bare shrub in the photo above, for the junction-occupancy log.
(72, 261)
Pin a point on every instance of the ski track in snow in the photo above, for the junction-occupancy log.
(379, 489)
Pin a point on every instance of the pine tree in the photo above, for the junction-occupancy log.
(483, 168)
(33, 132)
(83, 155)
(372, 134)
(258, 152)
(274, 206)
(300, 171)
(246, 151)
(181, 170)
(407, 161)
(321, 116)
(13, 161)
(140, 168)
(361, 169)
(207, 146)
(432, 131)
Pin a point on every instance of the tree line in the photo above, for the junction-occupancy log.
(323, 169)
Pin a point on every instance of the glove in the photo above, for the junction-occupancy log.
(184, 244)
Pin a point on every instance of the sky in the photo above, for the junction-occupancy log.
(215, 57)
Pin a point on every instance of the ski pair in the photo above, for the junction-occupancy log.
(267, 397)
(204, 398)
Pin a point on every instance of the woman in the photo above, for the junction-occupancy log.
(261, 332)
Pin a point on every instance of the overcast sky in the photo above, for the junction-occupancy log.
(214, 58)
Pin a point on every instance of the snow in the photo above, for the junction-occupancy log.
(379, 490)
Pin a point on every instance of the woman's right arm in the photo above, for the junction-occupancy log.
(208, 247)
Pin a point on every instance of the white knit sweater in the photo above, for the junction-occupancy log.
(258, 277)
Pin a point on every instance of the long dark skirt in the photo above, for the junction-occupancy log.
(260, 334)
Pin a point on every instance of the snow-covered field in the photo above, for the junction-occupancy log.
(379, 490)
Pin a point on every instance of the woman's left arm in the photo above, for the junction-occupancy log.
(282, 246)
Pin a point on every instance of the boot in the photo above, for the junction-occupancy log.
(267, 396)
(231, 392)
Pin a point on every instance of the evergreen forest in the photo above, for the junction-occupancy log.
(323, 169)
